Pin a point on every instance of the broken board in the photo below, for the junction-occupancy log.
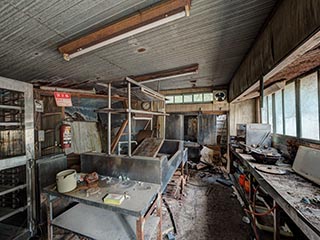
(149, 147)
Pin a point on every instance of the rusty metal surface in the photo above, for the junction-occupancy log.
(217, 35)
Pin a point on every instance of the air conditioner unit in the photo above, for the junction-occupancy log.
(220, 96)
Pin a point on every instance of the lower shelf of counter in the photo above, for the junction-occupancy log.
(102, 224)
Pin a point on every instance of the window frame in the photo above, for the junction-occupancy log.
(298, 118)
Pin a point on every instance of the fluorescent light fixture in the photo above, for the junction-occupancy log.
(126, 35)
(168, 77)
(146, 90)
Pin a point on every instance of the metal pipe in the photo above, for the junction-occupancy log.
(129, 119)
(109, 119)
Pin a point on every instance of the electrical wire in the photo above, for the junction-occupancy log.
(171, 215)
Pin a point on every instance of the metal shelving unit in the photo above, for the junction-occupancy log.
(16, 159)
(153, 95)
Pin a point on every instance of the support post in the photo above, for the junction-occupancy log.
(109, 119)
(276, 222)
(129, 119)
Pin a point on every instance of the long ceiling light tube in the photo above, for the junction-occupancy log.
(169, 77)
(126, 35)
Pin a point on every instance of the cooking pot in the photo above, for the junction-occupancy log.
(66, 180)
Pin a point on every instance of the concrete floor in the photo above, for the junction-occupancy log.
(207, 211)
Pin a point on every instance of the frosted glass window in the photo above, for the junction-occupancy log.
(264, 111)
(197, 97)
(270, 114)
(290, 110)
(208, 97)
(187, 98)
(278, 112)
(178, 99)
(309, 107)
(169, 99)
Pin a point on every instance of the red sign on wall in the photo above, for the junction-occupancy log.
(63, 99)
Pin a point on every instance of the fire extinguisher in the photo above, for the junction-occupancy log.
(65, 136)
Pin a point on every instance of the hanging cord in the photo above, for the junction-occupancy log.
(254, 213)
(171, 215)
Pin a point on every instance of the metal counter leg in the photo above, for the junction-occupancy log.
(159, 214)
(276, 222)
(140, 230)
(49, 218)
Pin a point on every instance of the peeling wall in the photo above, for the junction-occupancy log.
(292, 23)
(242, 112)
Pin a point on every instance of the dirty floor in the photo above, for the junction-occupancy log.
(206, 211)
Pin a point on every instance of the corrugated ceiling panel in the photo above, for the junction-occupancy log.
(216, 35)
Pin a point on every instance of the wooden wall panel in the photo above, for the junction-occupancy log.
(293, 22)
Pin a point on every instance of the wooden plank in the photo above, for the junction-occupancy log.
(118, 135)
(80, 95)
(135, 21)
(149, 147)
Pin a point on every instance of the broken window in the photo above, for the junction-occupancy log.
(309, 107)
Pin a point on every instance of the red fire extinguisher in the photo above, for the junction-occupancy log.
(65, 136)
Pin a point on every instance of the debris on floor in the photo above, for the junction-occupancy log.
(206, 211)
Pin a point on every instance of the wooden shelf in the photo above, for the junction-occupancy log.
(126, 110)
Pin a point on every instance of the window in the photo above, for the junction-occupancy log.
(190, 98)
(178, 99)
(270, 113)
(278, 112)
(169, 99)
(309, 107)
(208, 97)
(187, 98)
(198, 97)
(295, 115)
(290, 110)
(264, 111)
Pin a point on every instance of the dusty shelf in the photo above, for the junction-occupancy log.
(98, 223)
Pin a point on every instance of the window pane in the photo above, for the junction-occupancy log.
(169, 99)
(178, 99)
(278, 112)
(208, 97)
(309, 107)
(290, 110)
(264, 111)
(187, 98)
(197, 97)
(270, 117)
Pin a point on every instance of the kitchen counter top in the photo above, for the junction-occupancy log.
(288, 190)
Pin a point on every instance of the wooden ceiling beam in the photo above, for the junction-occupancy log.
(139, 19)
